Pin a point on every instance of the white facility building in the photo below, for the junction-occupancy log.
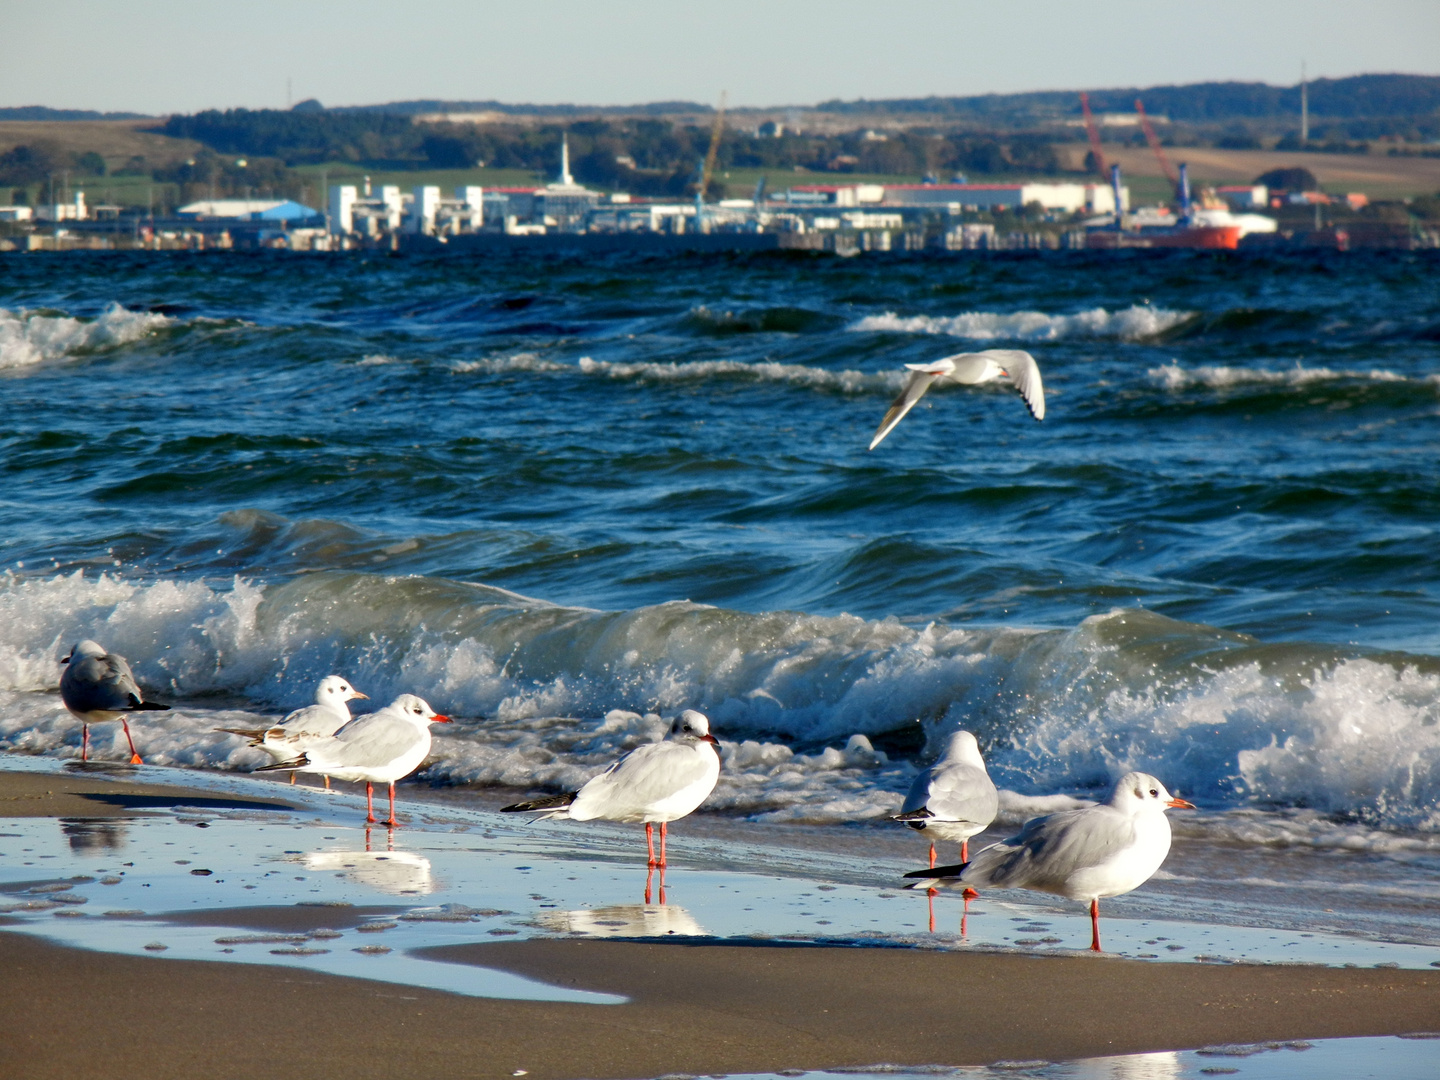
(957, 198)
(1068, 198)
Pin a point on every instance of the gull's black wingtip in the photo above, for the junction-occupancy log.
(553, 802)
(913, 815)
(298, 763)
(939, 871)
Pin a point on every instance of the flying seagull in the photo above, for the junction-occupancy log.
(968, 368)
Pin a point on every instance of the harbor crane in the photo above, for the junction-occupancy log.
(707, 171)
(1094, 133)
(1155, 147)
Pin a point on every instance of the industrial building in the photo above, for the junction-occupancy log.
(962, 198)
(249, 210)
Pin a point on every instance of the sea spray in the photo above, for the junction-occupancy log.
(1135, 323)
(30, 337)
(806, 704)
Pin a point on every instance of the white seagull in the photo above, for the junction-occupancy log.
(97, 686)
(289, 738)
(954, 798)
(379, 748)
(661, 781)
(968, 368)
(1103, 850)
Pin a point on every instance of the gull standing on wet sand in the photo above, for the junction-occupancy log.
(97, 686)
(661, 781)
(954, 798)
(968, 368)
(1103, 850)
(289, 738)
(379, 748)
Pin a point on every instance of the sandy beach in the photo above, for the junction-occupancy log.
(708, 1005)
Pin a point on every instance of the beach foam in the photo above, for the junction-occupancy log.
(845, 382)
(798, 700)
(1135, 323)
(32, 337)
(1174, 377)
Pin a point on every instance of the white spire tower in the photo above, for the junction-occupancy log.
(1304, 107)
(565, 178)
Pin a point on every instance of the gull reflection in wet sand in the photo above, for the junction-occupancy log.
(389, 871)
(650, 877)
(969, 894)
(1165, 1065)
(94, 834)
(624, 920)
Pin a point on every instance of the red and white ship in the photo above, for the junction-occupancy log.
(1203, 227)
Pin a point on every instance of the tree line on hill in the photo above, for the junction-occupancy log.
(639, 154)
(645, 149)
(1377, 99)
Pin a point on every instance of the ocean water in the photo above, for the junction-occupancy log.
(563, 498)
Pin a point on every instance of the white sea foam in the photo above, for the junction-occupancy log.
(1135, 323)
(1356, 737)
(506, 365)
(796, 699)
(31, 337)
(1174, 377)
(845, 382)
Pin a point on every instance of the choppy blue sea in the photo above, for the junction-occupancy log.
(561, 497)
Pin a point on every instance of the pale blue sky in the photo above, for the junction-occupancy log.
(159, 56)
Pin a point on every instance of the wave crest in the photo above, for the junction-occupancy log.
(819, 714)
(1174, 377)
(1135, 323)
(845, 382)
(28, 337)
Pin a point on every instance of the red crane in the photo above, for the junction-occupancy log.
(1094, 134)
(1154, 142)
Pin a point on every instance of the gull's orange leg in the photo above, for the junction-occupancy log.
(134, 757)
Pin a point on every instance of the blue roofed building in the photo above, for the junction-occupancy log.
(279, 211)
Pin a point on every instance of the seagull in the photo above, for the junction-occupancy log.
(968, 368)
(97, 686)
(954, 798)
(661, 781)
(289, 738)
(379, 748)
(1103, 850)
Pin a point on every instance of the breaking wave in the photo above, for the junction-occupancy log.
(1135, 323)
(1174, 377)
(846, 382)
(822, 718)
(29, 337)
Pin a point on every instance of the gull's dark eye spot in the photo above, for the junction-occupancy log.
(1154, 794)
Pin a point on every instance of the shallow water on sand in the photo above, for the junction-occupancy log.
(1401, 1058)
(563, 498)
(191, 882)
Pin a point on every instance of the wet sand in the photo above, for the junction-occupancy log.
(694, 1008)
(707, 1006)
(101, 791)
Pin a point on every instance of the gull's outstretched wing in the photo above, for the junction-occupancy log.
(1025, 374)
(914, 390)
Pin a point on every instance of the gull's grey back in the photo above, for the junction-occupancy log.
(97, 683)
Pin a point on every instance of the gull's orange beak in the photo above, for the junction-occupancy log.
(1180, 804)
(438, 719)
(357, 693)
